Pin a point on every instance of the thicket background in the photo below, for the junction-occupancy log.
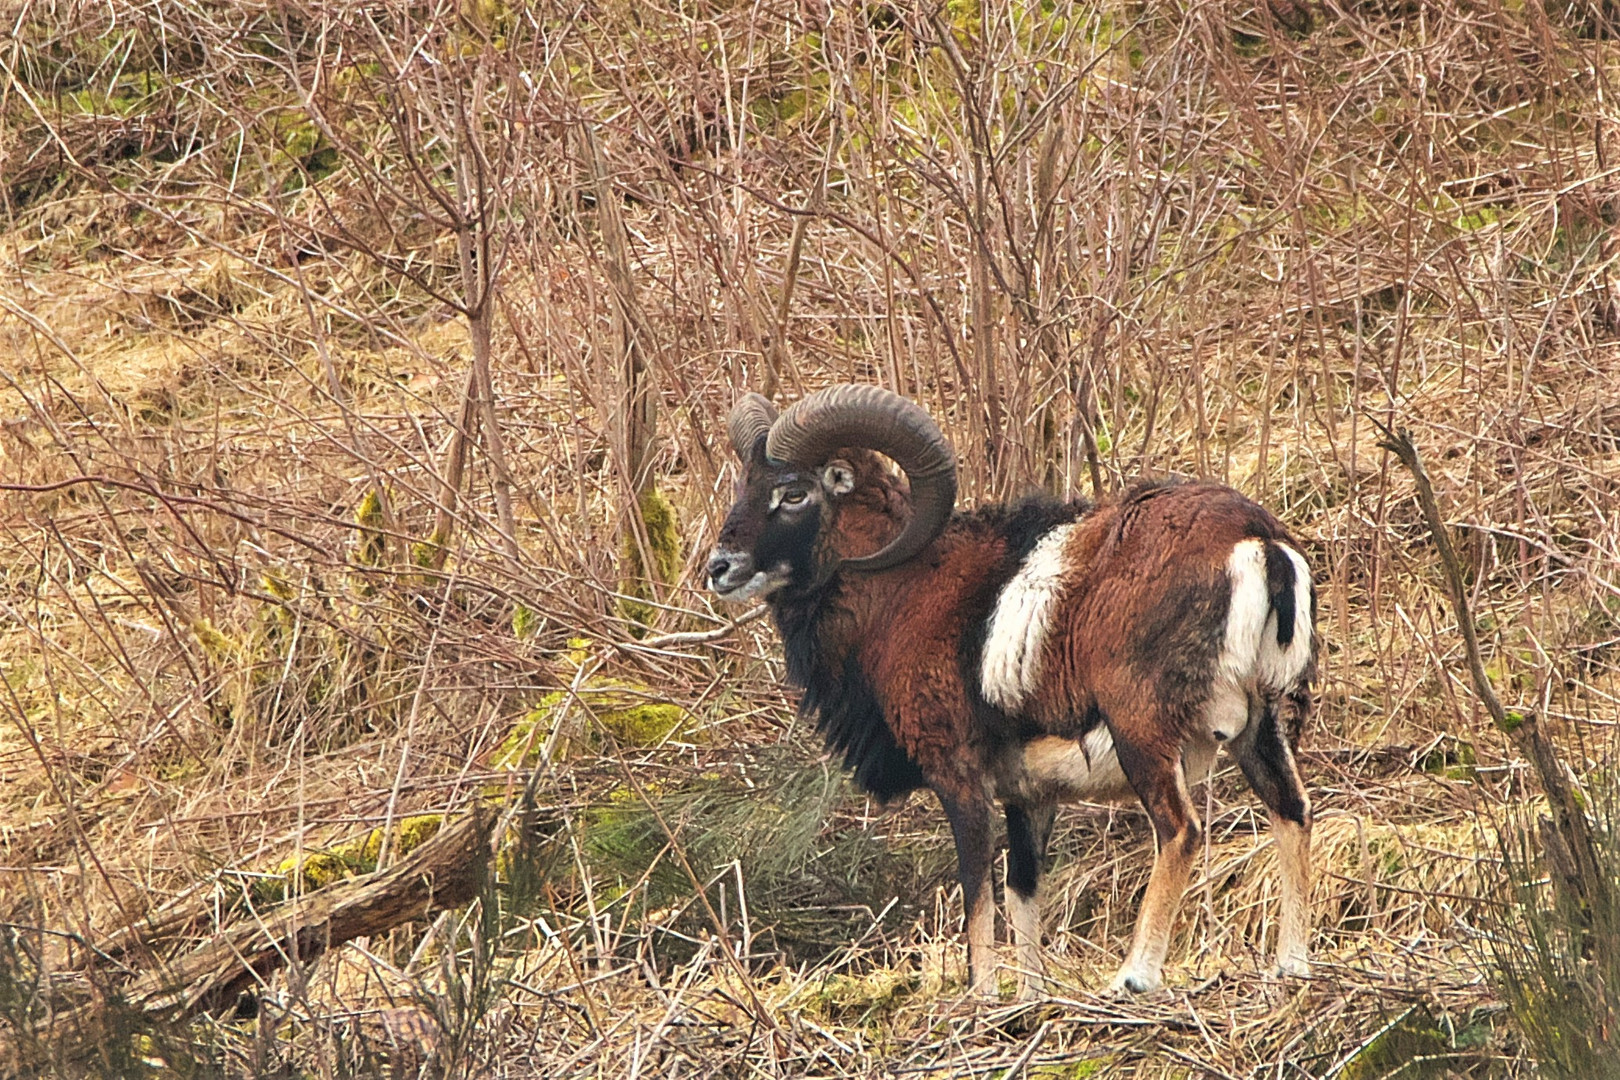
(363, 374)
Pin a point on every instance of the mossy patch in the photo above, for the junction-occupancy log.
(215, 642)
(1079, 1070)
(429, 554)
(572, 719)
(306, 149)
(661, 526)
(318, 869)
(1512, 670)
(371, 543)
(863, 998)
(1450, 757)
(278, 586)
(1417, 1035)
(622, 708)
(131, 93)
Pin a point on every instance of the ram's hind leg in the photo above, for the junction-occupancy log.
(975, 852)
(1160, 782)
(1265, 753)
(1028, 830)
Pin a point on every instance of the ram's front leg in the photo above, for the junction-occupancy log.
(975, 852)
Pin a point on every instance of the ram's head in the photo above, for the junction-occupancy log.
(799, 476)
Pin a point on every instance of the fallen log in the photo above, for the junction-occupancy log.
(445, 872)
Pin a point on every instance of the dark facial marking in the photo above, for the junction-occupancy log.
(776, 518)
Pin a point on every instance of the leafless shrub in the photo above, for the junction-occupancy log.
(317, 333)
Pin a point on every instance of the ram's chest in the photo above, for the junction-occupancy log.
(920, 679)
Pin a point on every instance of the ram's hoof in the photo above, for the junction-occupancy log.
(1030, 991)
(1292, 967)
(1128, 983)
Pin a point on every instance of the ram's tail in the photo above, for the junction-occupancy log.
(1268, 653)
(1286, 645)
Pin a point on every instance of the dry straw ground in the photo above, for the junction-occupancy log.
(340, 342)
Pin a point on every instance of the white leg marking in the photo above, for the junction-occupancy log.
(1294, 926)
(1012, 648)
(1282, 667)
(981, 935)
(1253, 662)
(1024, 914)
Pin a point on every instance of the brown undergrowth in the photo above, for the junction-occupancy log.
(340, 343)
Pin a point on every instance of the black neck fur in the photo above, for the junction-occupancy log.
(837, 692)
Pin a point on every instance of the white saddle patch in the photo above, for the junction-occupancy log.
(1011, 667)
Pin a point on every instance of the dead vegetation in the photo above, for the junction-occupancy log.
(362, 370)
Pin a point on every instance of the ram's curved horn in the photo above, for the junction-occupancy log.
(877, 419)
(751, 417)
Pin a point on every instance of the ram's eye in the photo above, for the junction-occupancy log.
(793, 498)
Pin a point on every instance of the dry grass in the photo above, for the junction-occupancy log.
(250, 277)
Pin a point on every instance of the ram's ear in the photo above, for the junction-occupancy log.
(838, 477)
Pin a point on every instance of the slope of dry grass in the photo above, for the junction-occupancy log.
(255, 254)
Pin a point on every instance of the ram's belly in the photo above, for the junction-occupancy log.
(1052, 768)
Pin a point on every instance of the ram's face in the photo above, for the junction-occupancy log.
(770, 539)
